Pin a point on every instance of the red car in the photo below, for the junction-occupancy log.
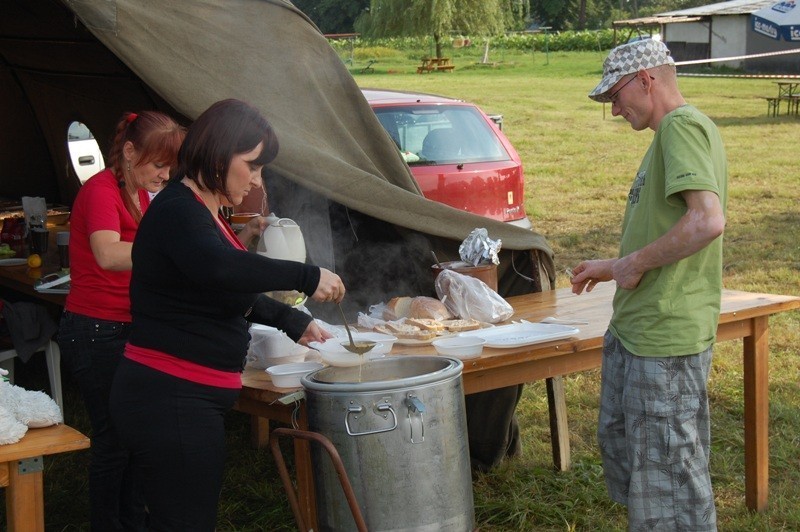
(457, 154)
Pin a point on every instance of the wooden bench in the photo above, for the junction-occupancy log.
(792, 104)
(773, 105)
(445, 68)
(21, 473)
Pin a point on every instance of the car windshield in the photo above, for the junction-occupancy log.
(439, 134)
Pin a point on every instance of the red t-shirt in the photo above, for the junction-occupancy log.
(94, 291)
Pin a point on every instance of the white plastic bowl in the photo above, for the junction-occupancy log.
(289, 375)
(333, 353)
(462, 347)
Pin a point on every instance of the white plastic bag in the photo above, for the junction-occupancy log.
(471, 298)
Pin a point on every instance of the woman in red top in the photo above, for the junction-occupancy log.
(95, 325)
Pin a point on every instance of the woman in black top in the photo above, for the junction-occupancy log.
(194, 290)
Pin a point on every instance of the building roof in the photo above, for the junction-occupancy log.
(731, 7)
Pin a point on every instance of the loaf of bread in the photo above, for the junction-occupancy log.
(428, 308)
(397, 308)
(415, 307)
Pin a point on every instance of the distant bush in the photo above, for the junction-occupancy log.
(375, 52)
(583, 41)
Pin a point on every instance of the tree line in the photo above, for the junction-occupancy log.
(388, 18)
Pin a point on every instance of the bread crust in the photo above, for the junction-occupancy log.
(397, 308)
(428, 308)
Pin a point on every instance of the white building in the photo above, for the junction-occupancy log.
(717, 31)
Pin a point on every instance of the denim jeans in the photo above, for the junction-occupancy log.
(91, 349)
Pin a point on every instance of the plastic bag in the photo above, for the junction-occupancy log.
(471, 298)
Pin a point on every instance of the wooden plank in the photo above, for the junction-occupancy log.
(259, 432)
(756, 415)
(44, 441)
(24, 501)
(559, 429)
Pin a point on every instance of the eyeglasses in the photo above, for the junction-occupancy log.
(613, 96)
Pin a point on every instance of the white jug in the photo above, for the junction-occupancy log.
(282, 239)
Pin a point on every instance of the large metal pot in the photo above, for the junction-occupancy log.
(400, 428)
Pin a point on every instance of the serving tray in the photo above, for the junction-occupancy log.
(520, 334)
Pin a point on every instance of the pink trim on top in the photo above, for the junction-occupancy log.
(183, 369)
(226, 228)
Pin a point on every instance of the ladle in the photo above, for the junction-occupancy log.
(358, 348)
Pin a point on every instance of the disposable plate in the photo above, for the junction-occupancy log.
(520, 334)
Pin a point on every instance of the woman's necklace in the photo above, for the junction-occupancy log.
(208, 198)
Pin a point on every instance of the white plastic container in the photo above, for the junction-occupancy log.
(270, 346)
(289, 375)
(461, 347)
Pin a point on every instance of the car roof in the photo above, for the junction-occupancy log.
(385, 96)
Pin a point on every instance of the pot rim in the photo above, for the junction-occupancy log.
(451, 368)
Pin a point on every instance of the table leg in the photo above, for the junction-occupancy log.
(305, 475)
(756, 415)
(24, 500)
(559, 429)
(259, 432)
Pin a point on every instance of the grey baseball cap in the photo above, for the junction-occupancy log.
(628, 59)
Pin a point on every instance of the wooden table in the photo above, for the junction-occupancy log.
(21, 278)
(429, 64)
(21, 473)
(789, 92)
(744, 315)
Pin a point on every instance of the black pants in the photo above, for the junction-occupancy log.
(91, 349)
(176, 432)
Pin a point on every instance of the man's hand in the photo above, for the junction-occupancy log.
(590, 272)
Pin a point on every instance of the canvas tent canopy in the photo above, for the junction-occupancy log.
(337, 173)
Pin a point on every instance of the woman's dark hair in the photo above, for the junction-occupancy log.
(227, 128)
(156, 138)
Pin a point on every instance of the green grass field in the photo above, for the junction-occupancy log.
(579, 162)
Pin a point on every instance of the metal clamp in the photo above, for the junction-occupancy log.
(358, 409)
(415, 405)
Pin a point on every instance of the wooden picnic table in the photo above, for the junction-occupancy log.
(430, 64)
(744, 315)
(789, 92)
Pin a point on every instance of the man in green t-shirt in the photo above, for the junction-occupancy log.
(653, 431)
